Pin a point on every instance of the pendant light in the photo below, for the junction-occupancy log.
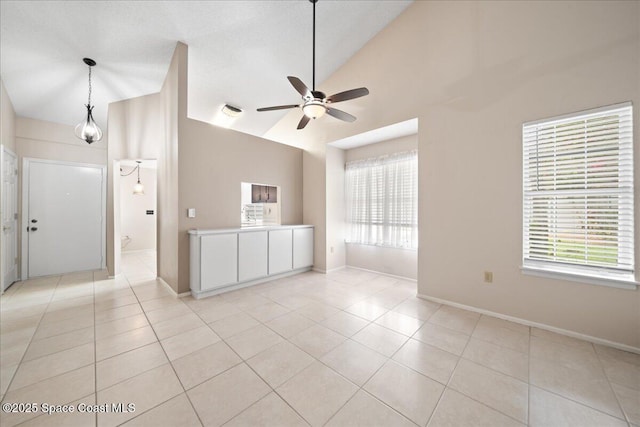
(88, 130)
(138, 189)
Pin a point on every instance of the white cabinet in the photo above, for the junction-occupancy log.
(302, 247)
(252, 255)
(280, 251)
(221, 266)
(224, 260)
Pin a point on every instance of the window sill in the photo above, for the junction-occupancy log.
(581, 278)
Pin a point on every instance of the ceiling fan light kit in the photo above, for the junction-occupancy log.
(88, 130)
(315, 103)
(231, 111)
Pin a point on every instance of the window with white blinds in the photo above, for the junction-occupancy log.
(578, 194)
(382, 201)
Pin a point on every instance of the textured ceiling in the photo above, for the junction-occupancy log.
(240, 52)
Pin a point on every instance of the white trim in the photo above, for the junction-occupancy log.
(333, 270)
(170, 289)
(26, 162)
(383, 274)
(580, 113)
(115, 276)
(3, 288)
(580, 278)
(525, 322)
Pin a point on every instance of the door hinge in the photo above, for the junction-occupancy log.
(15, 216)
(16, 171)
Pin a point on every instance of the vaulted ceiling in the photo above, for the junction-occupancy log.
(240, 52)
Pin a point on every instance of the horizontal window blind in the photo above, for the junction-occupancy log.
(382, 200)
(578, 192)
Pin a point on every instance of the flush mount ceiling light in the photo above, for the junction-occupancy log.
(88, 130)
(231, 111)
(316, 103)
(138, 189)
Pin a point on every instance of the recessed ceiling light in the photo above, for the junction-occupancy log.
(231, 111)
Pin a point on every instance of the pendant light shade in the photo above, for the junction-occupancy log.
(88, 130)
(314, 109)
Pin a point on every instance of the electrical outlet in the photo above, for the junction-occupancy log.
(488, 277)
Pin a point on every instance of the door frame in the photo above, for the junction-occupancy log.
(26, 162)
(4, 150)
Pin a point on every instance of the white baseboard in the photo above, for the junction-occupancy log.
(170, 289)
(383, 274)
(525, 322)
(116, 276)
(319, 270)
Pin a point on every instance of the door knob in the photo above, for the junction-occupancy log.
(34, 221)
(5, 228)
(34, 228)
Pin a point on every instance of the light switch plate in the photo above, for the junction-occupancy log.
(191, 213)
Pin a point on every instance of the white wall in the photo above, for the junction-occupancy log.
(473, 72)
(134, 221)
(397, 262)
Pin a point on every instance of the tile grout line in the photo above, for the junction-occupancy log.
(31, 340)
(168, 361)
(95, 351)
(287, 340)
(609, 382)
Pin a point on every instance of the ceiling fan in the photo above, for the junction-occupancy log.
(315, 103)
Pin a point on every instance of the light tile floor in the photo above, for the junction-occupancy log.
(348, 348)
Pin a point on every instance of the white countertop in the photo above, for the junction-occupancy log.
(203, 231)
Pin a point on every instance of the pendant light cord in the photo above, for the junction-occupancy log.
(132, 171)
(89, 101)
(314, 47)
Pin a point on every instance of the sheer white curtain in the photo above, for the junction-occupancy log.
(382, 200)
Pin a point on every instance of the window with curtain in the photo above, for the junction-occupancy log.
(382, 201)
(578, 194)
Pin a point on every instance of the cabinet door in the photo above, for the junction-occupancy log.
(280, 251)
(302, 247)
(218, 260)
(252, 255)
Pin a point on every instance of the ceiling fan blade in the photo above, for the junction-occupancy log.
(339, 114)
(300, 87)
(348, 94)
(303, 122)
(279, 107)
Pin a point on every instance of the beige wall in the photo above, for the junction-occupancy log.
(7, 120)
(473, 72)
(396, 145)
(53, 141)
(335, 246)
(199, 166)
(397, 262)
(134, 221)
(173, 101)
(136, 131)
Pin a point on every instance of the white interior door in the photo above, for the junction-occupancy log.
(65, 217)
(9, 218)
